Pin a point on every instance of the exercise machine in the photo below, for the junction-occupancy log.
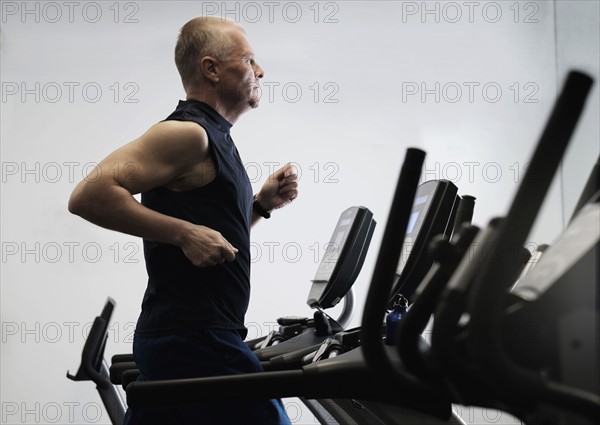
(335, 276)
(478, 371)
(432, 213)
(337, 272)
(94, 368)
(343, 377)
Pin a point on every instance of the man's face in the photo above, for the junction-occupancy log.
(239, 74)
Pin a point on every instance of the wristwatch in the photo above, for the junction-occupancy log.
(258, 209)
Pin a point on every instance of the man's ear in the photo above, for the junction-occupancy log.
(208, 68)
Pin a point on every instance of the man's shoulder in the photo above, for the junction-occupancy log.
(178, 136)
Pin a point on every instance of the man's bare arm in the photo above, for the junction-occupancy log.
(280, 189)
(166, 153)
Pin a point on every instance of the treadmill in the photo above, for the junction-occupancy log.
(345, 376)
(541, 361)
(94, 368)
(433, 214)
(518, 347)
(336, 274)
(359, 373)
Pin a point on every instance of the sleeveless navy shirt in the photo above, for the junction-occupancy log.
(181, 297)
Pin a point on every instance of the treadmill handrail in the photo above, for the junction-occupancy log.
(385, 267)
(495, 277)
(347, 309)
(490, 286)
(448, 255)
(345, 376)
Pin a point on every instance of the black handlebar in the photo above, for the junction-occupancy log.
(490, 287)
(387, 263)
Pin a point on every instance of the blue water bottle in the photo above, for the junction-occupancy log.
(399, 306)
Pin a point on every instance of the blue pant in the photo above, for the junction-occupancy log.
(206, 353)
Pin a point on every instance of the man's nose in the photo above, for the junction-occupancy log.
(258, 71)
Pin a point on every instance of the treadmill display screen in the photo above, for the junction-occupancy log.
(420, 200)
(415, 214)
(343, 257)
(411, 222)
(333, 249)
(419, 210)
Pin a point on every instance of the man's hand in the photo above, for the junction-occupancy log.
(204, 246)
(280, 189)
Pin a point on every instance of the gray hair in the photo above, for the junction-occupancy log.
(200, 37)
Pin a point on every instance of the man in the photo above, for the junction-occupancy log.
(195, 217)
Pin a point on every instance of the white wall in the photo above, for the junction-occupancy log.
(578, 32)
(343, 97)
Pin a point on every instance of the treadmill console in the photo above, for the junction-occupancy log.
(434, 207)
(343, 258)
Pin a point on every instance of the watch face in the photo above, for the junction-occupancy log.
(260, 210)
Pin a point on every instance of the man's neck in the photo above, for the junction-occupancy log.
(212, 100)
